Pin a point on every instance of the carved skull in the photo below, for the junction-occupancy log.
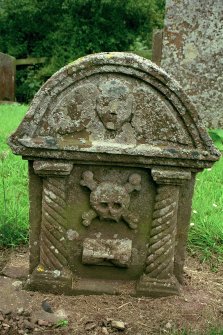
(110, 200)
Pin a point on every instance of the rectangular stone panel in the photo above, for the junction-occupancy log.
(110, 226)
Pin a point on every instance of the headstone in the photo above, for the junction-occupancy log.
(157, 46)
(113, 145)
(193, 52)
(7, 78)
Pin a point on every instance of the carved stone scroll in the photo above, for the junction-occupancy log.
(114, 252)
(53, 246)
(159, 275)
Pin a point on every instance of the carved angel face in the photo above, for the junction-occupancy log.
(110, 201)
(114, 104)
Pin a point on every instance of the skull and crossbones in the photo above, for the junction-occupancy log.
(109, 200)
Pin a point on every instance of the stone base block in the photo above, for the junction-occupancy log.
(100, 286)
(67, 283)
(50, 281)
(154, 287)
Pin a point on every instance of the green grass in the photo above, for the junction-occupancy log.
(206, 230)
(14, 207)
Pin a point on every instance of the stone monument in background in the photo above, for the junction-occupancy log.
(113, 145)
(7, 78)
(192, 52)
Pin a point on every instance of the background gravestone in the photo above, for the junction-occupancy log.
(113, 145)
(157, 46)
(193, 52)
(7, 78)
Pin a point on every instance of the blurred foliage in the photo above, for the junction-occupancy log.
(63, 30)
(217, 137)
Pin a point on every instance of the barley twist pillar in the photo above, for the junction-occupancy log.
(158, 277)
(53, 255)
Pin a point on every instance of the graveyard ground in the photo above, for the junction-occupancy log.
(198, 309)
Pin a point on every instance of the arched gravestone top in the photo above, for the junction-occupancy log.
(118, 104)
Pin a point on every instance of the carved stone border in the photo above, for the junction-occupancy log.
(53, 258)
(158, 278)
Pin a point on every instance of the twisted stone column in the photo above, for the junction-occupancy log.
(53, 245)
(158, 278)
(162, 237)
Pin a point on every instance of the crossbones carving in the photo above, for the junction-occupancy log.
(110, 200)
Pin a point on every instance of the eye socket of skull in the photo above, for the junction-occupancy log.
(116, 206)
(113, 207)
(104, 204)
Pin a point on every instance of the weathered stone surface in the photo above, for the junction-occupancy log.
(17, 267)
(7, 78)
(110, 200)
(193, 51)
(65, 120)
(113, 145)
(107, 252)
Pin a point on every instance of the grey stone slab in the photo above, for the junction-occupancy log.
(192, 52)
